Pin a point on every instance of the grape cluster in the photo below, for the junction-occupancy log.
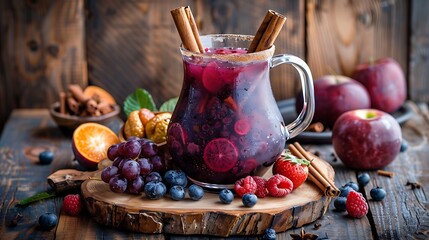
(135, 162)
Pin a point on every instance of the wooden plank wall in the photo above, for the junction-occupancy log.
(123, 45)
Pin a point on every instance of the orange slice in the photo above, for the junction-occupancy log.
(90, 91)
(90, 143)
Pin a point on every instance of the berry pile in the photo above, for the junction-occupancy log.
(276, 186)
(137, 167)
(135, 162)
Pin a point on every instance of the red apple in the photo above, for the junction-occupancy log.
(385, 82)
(366, 139)
(335, 95)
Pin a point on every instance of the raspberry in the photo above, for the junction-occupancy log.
(279, 185)
(261, 188)
(356, 205)
(72, 204)
(245, 185)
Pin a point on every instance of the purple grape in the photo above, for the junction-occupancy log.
(117, 161)
(131, 149)
(143, 141)
(121, 149)
(108, 173)
(132, 138)
(145, 166)
(153, 177)
(136, 186)
(131, 170)
(122, 163)
(148, 149)
(157, 163)
(118, 184)
(112, 152)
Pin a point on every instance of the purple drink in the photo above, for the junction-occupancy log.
(226, 124)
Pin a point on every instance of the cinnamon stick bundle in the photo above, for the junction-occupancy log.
(267, 32)
(315, 174)
(187, 28)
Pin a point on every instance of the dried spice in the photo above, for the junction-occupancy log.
(413, 185)
(304, 236)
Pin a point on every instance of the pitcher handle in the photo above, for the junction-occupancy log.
(305, 117)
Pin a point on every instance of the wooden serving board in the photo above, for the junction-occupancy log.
(207, 216)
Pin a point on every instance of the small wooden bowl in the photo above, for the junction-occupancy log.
(70, 122)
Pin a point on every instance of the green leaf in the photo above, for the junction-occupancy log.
(35, 198)
(169, 105)
(137, 100)
(293, 159)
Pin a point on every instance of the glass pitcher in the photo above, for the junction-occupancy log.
(226, 124)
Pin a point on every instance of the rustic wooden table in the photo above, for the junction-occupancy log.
(403, 214)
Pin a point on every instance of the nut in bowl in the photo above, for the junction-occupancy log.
(77, 106)
(71, 122)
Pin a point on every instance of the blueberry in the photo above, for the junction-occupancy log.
(48, 221)
(249, 199)
(177, 193)
(195, 192)
(377, 193)
(155, 190)
(404, 145)
(352, 185)
(226, 196)
(46, 157)
(175, 177)
(344, 191)
(269, 234)
(340, 203)
(363, 179)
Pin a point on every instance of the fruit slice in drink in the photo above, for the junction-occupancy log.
(176, 133)
(242, 126)
(90, 143)
(220, 155)
(176, 138)
(212, 79)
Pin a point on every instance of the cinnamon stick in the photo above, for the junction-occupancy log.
(63, 102)
(73, 105)
(315, 174)
(77, 92)
(385, 173)
(194, 28)
(184, 28)
(267, 32)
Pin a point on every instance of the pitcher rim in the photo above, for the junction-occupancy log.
(232, 57)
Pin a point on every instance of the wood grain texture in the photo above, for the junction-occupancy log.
(42, 50)
(404, 213)
(17, 183)
(135, 43)
(207, 216)
(342, 34)
(419, 51)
